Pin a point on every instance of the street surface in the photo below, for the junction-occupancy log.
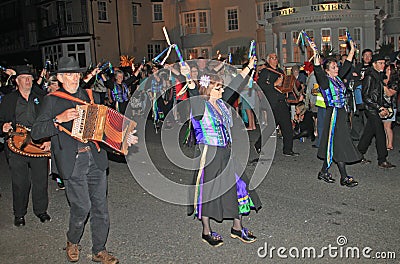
(298, 212)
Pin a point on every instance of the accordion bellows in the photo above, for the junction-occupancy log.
(103, 124)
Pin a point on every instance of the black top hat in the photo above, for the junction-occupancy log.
(377, 57)
(68, 64)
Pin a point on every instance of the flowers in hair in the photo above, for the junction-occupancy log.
(205, 81)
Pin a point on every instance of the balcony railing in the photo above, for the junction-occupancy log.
(69, 30)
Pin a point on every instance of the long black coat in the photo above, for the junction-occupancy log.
(65, 147)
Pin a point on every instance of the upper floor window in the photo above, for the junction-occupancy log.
(135, 13)
(195, 22)
(102, 10)
(68, 11)
(157, 12)
(266, 6)
(390, 7)
(232, 17)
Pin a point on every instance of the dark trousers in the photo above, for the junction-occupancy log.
(86, 192)
(320, 123)
(374, 128)
(358, 122)
(22, 181)
(282, 118)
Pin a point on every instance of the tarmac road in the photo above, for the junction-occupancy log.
(299, 213)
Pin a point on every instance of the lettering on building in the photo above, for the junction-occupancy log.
(284, 12)
(330, 7)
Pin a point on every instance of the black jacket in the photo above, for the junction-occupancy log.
(372, 92)
(65, 147)
(9, 103)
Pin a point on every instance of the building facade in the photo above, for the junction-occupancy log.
(95, 31)
(325, 22)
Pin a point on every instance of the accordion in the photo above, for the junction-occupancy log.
(103, 124)
(287, 84)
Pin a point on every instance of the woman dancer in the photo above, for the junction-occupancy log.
(336, 143)
(219, 193)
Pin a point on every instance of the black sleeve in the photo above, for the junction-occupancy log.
(344, 69)
(322, 79)
(130, 80)
(367, 93)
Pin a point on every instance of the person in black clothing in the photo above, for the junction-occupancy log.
(336, 144)
(119, 91)
(358, 119)
(22, 107)
(376, 108)
(268, 80)
(81, 165)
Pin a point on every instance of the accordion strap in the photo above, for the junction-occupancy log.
(80, 101)
(74, 99)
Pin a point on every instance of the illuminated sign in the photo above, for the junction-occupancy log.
(330, 7)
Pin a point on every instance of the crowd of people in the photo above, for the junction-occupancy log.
(334, 102)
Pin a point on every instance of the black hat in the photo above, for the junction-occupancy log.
(377, 57)
(23, 69)
(68, 64)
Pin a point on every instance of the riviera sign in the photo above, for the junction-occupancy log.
(330, 7)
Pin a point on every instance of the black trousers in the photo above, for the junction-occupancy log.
(374, 128)
(282, 118)
(27, 172)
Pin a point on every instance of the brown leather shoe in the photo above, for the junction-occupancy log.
(105, 258)
(72, 252)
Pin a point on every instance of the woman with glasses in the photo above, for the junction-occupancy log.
(219, 193)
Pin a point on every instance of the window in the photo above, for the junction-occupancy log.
(342, 40)
(232, 16)
(157, 12)
(78, 51)
(309, 50)
(135, 13)
(32, 34)
(102, 11)
(267, 6)
(195, 22)
(190, 23)
(390, 7)
(296, 48)
(357, 35)
(326, 39)
(68, 11)
(52, 53)
(194, 53)
(153, 50)
(271, 5)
